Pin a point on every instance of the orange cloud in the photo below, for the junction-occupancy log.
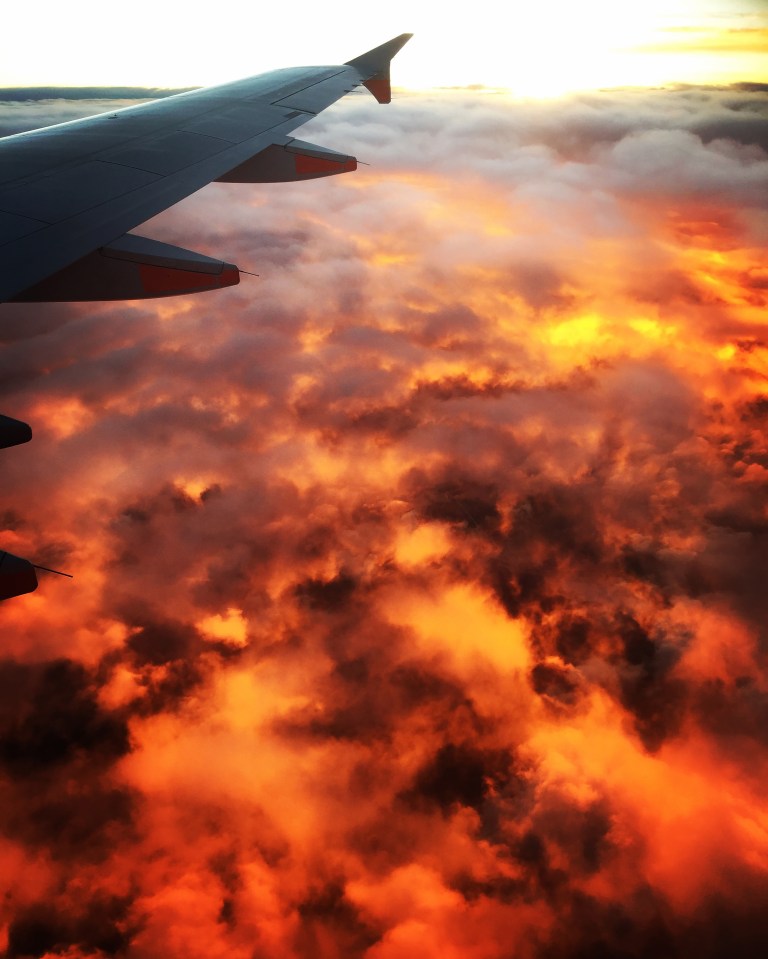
(418, 600)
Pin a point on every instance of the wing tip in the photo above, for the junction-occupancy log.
(373, 66)
(375, 60)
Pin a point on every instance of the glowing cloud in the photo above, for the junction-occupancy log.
(419, 602)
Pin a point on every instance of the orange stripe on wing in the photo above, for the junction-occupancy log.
(163, 281)
(308, 164)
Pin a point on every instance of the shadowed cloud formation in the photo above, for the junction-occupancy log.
(419, 602)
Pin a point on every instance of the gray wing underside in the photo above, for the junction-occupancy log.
(72, 188)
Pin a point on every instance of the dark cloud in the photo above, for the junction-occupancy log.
(327, 595)
(555, 682)
(51, 716)
(327, 914)
(455, 775)
(41, 930)
(462, 502)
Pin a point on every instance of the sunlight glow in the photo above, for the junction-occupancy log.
(230, 627)
(531, 50)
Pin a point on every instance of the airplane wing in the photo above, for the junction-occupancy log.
(70, 193)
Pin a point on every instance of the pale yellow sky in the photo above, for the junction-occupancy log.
(534, 49)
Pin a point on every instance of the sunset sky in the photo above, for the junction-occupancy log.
(419, 605)
(534, 49)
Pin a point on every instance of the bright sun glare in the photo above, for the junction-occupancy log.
(532, 50)
(563, 46)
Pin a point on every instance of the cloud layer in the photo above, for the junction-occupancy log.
(419, 602)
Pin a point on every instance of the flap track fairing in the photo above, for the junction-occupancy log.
(13, 432)
(133, 268)
(17, 576)
(290, 160)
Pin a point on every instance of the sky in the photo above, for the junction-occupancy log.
(419, 602)
(542, 49)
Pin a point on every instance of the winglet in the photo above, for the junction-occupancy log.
(373, 66)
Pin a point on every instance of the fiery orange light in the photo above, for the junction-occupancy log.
(419, 598)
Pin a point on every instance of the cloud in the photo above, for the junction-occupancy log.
(418, 601)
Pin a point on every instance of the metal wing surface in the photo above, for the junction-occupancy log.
(70, 193)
